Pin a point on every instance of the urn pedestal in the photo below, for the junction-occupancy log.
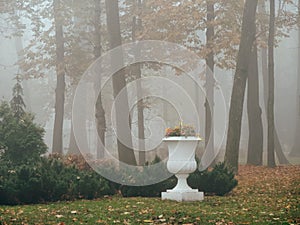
(182, 162)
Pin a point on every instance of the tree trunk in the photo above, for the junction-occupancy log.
(100, 113)
(210, 82)
(296, 147)
(264, 56)
(101, 127)
(239, 84)
(57, 146)
(278, 148)
(126, 154)
(271, 155)
(255, 143)
(137, 73)
(73, 147)
(141, 128)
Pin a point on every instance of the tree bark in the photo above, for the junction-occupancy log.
(278, 148)
(126, 154)
(264, 55)
(210, 82)
(296, 146)
(73, 147)
(137, 73)
(271, 155)
(57, 145)
(239, 84)
(100, 113)
(255, 143)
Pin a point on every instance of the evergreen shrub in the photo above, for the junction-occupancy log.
(47, 181)
(219, 181)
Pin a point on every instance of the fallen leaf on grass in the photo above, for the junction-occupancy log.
(144, 211)
(110, 208)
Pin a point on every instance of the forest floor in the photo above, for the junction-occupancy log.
(263, 196)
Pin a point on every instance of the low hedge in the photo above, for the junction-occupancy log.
(218, 181)
(49, 180)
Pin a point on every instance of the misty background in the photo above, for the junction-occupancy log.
(39, 93)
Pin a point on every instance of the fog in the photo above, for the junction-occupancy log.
(39, 93)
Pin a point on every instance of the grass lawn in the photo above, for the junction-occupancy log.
(263, 196)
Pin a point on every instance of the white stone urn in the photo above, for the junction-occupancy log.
(182, 162)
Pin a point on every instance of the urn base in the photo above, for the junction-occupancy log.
(186, 196)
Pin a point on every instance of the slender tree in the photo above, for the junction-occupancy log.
(296, 146)
(57, 145)
(240, 79)
(137, 74)
(255, 143)
(73, 147)
(271, 154)
(79, 57)
(126, 153)
(100, 113)
(264, 63)
(210, 81)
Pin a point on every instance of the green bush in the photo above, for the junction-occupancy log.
(21, 140)
(219, 181)
(26, 177)
(153, 190)
(49, 180)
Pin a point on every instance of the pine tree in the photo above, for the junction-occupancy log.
(17, 103)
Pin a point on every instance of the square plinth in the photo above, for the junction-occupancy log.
(187, 196)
